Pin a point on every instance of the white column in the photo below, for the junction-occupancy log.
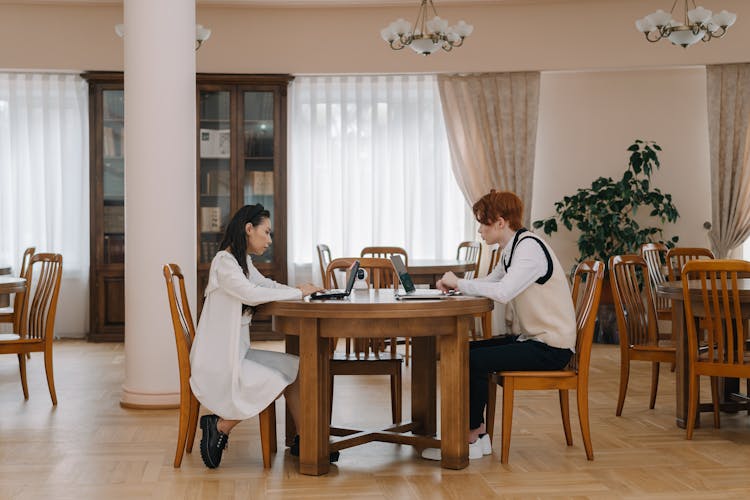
(160, 213)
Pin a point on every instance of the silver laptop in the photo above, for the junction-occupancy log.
(410, 291)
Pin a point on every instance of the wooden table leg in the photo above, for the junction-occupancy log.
(454, 395)
(313, 377)
(423, 388)
(292, 347)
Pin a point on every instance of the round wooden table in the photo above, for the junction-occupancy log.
(376, 313)
(10, 284)
(428, 271)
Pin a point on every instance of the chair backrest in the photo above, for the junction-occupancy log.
(587, 290)
(385, 253)
(634, 307)
(470, 251)
(182, 320)
(494, 258)
(655, 255)
(380, 272)
(22, 297)
(324, 258)
(726, 332)
(677, 257)
(43, 276)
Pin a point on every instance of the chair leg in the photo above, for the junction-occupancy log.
(624, 375)
(565, 413)
(50, 375)
(22, 369)
(654, 383)
(267, 420)
(715, 401)
(396, 396)
(195, 407)
(507, 418)
(582, 395)
(407, 350)
(182, 431)
(692, 414)
(487, 325)
(490, 411)
(272, 416)
(330, 399)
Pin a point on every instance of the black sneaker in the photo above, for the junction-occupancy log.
(213, 441)
(294, 451)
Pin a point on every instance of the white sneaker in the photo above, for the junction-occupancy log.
(477, 449)
(486, 444)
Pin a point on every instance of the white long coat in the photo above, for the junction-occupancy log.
(227, 376)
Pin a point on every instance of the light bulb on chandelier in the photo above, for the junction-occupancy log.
(699, 24)
(201, 33)
(427, 35)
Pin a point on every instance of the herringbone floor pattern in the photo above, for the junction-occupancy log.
(89, 447)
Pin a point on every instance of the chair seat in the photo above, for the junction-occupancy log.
(544, 374)
(6, 310)
(665, 346)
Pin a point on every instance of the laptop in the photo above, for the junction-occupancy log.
(410, 291)
(337, 293)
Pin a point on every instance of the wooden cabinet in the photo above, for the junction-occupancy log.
(241, 159)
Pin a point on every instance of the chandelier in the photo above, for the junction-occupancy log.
(201, 33)
(698, 24)
(427, 36)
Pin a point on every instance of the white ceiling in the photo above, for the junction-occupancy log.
(307, 3)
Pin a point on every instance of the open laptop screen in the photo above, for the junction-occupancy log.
(403, 275)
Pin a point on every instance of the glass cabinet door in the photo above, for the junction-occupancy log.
(259, 153)
(113, 175)
(215, 171)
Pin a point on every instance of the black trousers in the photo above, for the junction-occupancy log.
(506, 354)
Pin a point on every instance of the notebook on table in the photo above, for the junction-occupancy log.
(338, 293)
(411, 292)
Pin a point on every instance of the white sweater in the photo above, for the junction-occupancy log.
(545, 310)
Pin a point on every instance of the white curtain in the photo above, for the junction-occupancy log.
(44, 183)
(369, 165)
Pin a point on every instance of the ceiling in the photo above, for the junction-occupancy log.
(307, 3)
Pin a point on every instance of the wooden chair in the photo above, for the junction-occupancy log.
(184, 333)
(587, 286)
(679, 256)
(470, 251)
(34, 326)
(8, 314)
(723, 351)
(494, 258)
(655, 255)
(636, 322)
(324, 258)
(368, 356)
(385, 253)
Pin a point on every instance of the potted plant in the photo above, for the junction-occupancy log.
(605, 213)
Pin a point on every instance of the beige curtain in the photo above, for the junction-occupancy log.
(729, 138)
(491, 122)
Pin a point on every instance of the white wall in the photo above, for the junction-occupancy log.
(588, 119)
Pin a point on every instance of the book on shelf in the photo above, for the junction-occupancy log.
(215, 143)
(210, 219)
(260, 183)
(217, 182)
(114, 219)
(208, 250)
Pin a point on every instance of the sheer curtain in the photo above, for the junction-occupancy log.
(44, 182)
(369, 165)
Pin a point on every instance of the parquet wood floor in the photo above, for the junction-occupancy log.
(89, 447)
